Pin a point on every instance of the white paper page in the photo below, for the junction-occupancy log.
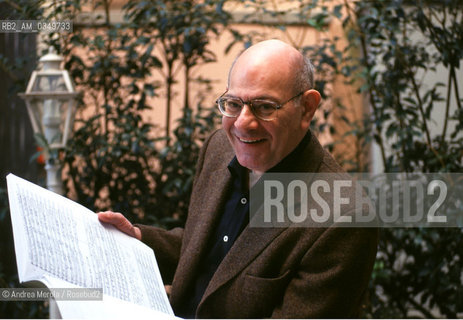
(65, 240)
(108, 308)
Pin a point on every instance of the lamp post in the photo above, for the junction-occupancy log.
(50, 100)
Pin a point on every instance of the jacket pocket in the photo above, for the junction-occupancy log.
(264, 293)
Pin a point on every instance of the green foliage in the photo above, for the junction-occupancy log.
(418, 270)
(178, 163)
(108, 157)
(181, 31)
(16, 71)
(402, 47)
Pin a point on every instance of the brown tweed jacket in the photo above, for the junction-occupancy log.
(269, 272)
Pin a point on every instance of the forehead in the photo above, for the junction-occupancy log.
(259, 80)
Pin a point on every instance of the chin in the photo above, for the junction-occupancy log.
(251, 165)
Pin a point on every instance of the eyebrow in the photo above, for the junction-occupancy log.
(266, 98)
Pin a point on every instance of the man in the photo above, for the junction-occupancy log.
(218, 265)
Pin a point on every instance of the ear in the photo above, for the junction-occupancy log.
(310, 101)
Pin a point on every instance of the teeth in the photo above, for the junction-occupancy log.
(250, 141)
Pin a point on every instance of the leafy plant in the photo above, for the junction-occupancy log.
(178, 163)
(418, 271)
(181, 31)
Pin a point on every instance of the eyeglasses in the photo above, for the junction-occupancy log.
(262, 109)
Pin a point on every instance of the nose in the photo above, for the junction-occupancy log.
(246, 119)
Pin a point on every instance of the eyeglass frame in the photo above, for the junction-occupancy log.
(249, 103)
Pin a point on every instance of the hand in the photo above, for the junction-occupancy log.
(120, 222)
(168, 289)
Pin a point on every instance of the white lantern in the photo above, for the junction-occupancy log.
(50, 99)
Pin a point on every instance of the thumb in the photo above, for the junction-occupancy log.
(120, 222)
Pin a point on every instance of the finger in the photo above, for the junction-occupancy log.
(108, 216)
(120, 222)
(168, 289)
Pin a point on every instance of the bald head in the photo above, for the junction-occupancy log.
(295, 71)
(268, 76)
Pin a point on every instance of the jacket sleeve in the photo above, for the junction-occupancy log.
(333, 276)
(167, 244)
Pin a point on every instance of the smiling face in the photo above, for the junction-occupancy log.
(267, 71)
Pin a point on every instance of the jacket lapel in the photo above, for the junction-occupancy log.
(207, 213)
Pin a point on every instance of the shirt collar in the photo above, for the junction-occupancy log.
(236, 169)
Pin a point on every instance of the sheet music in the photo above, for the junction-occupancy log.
(64, 240)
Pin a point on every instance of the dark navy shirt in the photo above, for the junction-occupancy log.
(234, 219)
